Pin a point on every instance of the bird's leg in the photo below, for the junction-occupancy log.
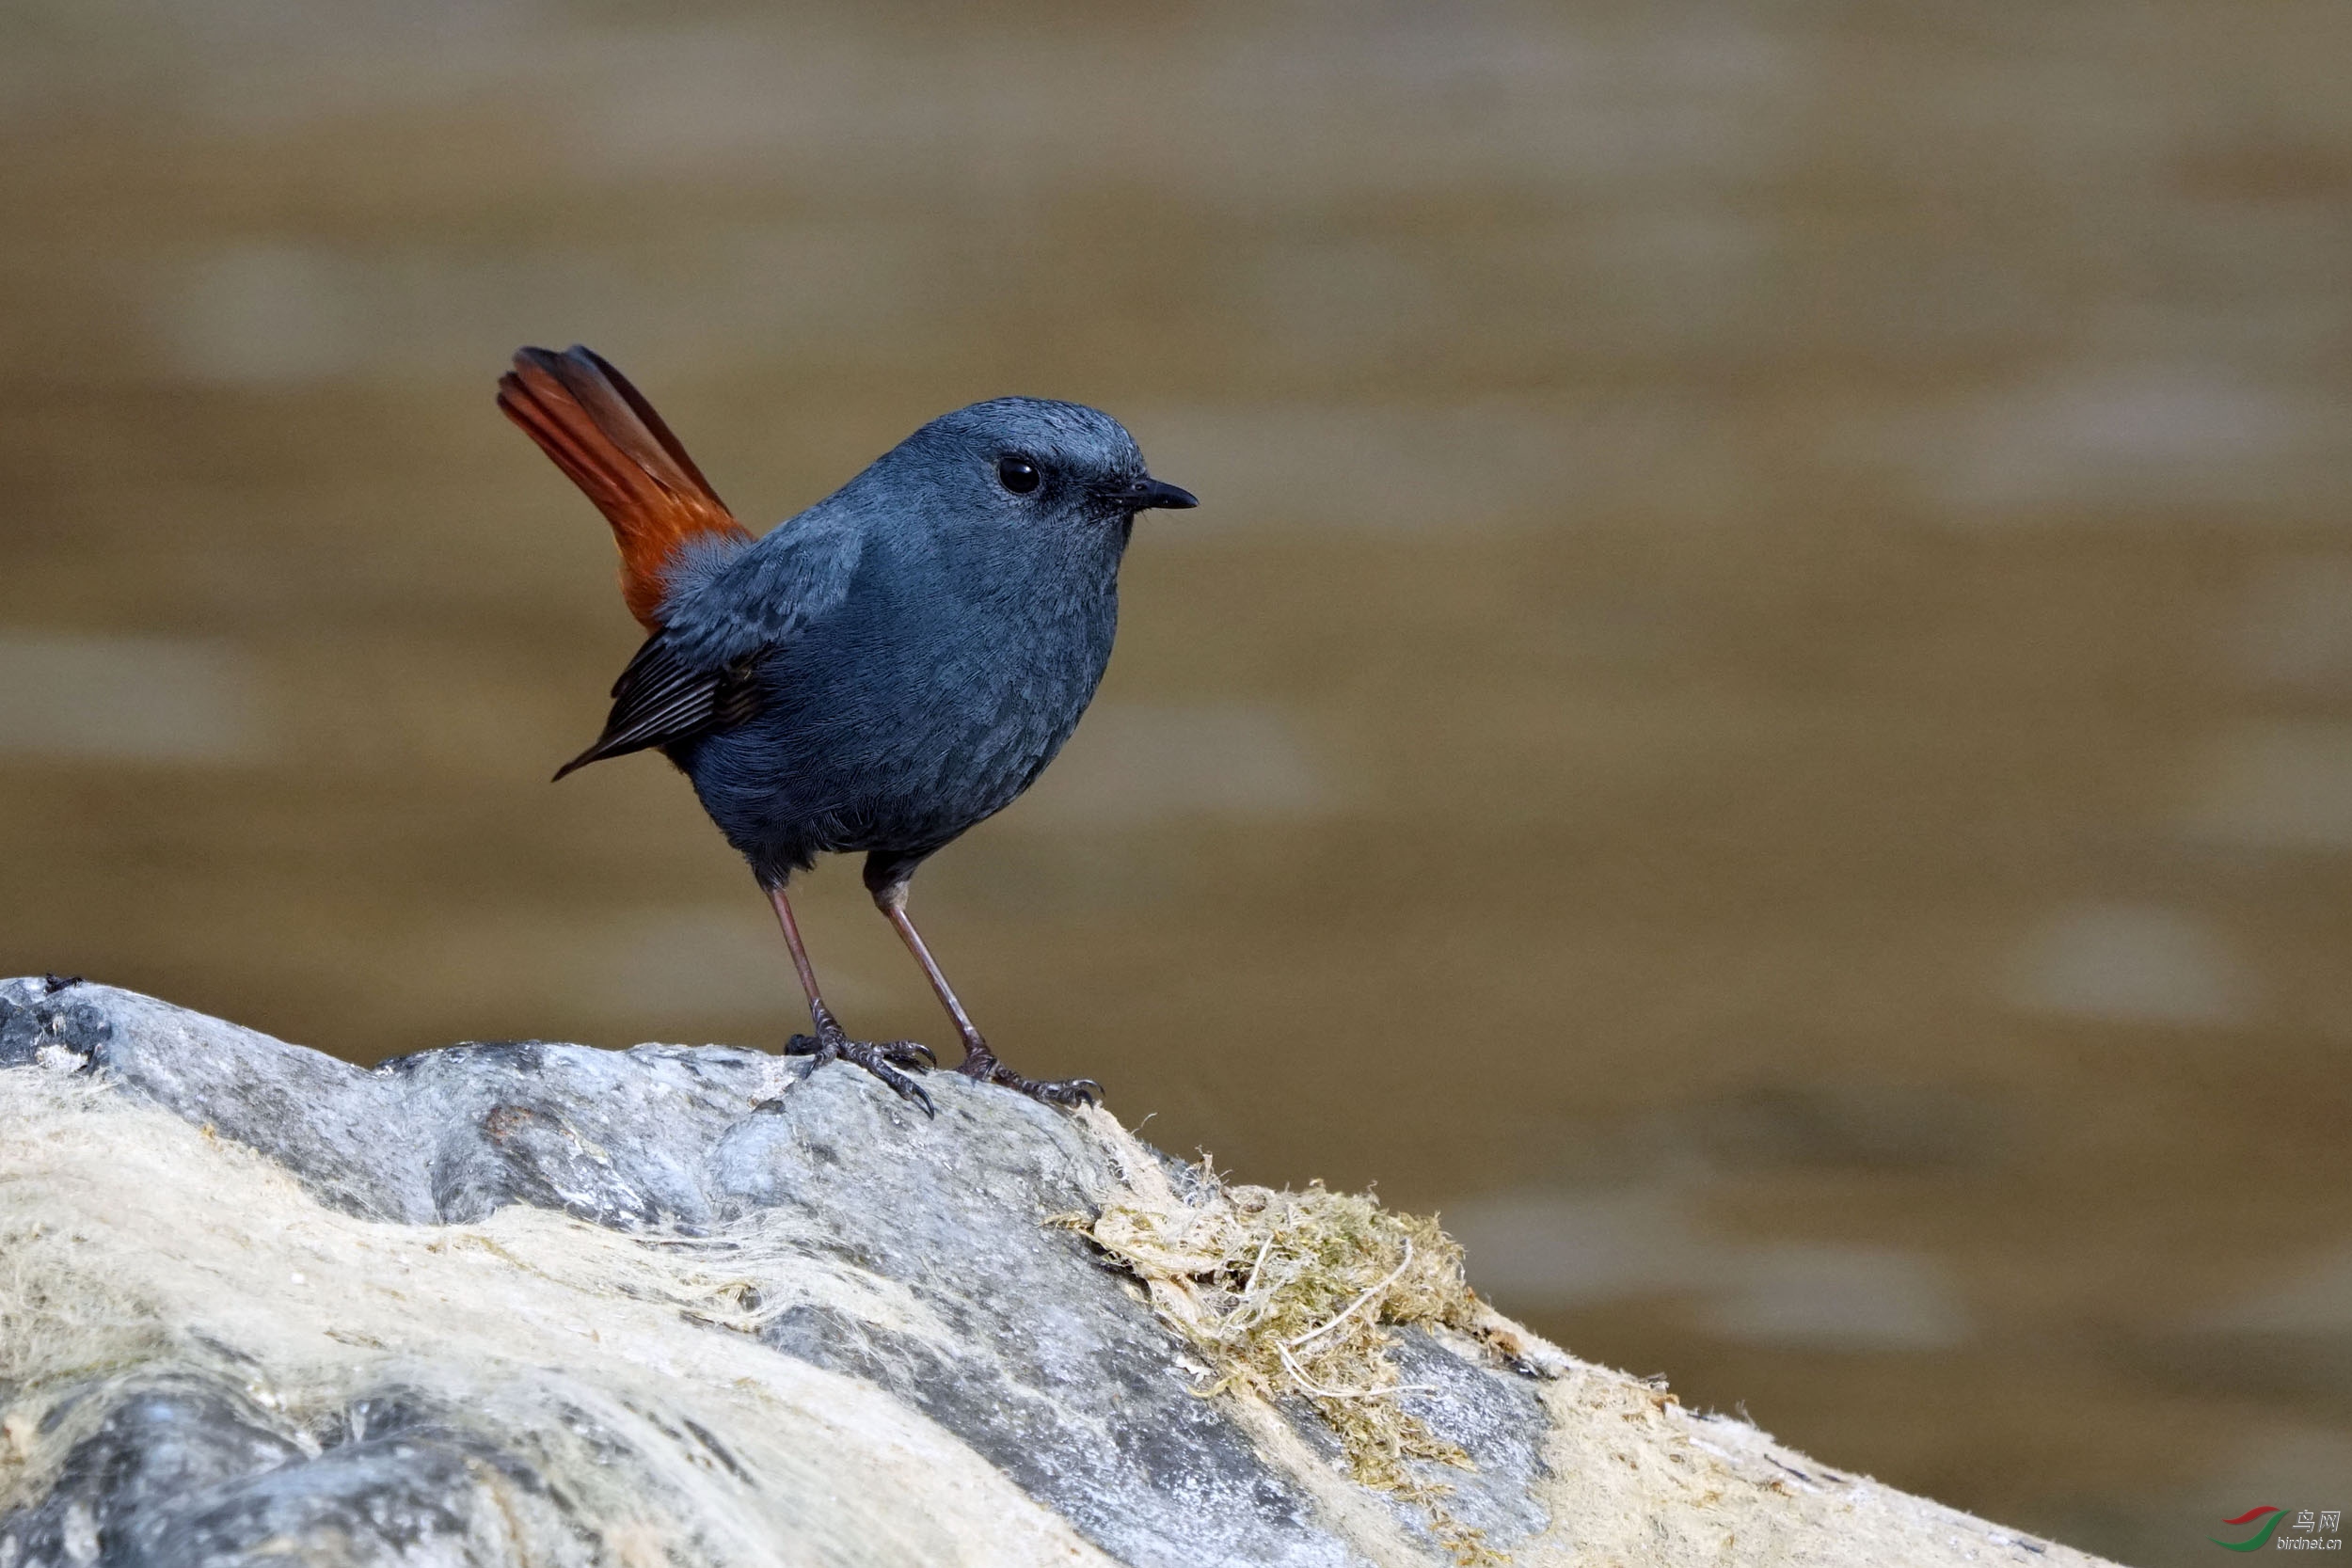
(832, 1042)
(978, 1060)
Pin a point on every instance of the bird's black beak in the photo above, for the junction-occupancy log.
(1147, 493)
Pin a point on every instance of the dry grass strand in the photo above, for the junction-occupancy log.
(1296, 1294)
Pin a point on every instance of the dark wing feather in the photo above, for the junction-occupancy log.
(726, 612)
(663, 697)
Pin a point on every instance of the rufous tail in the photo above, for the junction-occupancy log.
(602, 433)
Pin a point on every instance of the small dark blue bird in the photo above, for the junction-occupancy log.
(879, 673)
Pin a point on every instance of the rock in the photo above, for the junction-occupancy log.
(536, 1303)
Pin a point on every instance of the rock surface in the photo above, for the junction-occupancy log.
(534, 1302)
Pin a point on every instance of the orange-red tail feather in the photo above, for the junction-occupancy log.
(603, 434)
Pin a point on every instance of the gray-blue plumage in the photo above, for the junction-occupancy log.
(923, 641)
(878, 674)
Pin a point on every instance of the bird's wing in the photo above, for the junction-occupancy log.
(602, 433)
(729, 609)
(666, 695)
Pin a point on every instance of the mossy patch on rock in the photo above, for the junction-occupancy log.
(1295, 1294)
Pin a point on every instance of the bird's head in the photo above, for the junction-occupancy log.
(1031, 460)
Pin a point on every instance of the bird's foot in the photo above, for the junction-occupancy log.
(882, 1059)
(911, 1054)
(980, 1063)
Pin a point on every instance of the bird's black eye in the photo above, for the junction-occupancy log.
(1017, 474)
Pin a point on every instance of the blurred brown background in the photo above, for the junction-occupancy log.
(1760, 708)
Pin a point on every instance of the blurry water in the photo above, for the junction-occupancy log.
(1756, 708)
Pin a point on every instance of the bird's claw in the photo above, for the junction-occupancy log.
(1053, 1091)
(1067, 1091)
(912, 1055)
(882, 1059)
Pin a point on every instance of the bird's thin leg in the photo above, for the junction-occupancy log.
(894, 908)
(783, 907)
(832, 1041)
(978, 1060)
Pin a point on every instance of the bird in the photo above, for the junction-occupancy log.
(876, 674)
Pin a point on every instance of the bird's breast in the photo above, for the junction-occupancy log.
(905, 725)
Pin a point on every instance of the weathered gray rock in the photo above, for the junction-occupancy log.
(539, 1302)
